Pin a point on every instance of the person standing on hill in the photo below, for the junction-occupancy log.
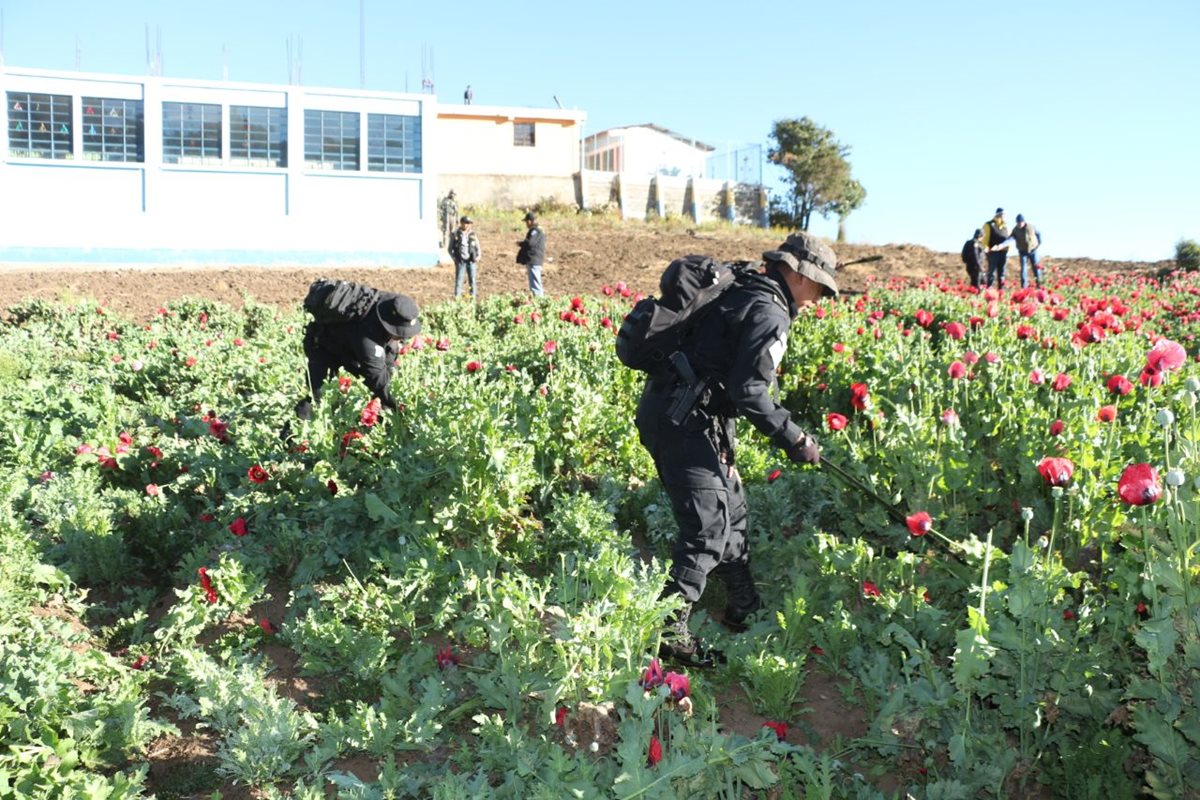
(532, 253)
(973, 257)
(1028, 241)
(464, 249)
(734, 355)
(995, 242)
(448, 217)
(366, 347)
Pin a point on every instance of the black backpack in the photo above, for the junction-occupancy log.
(656, 327)
(331, 302)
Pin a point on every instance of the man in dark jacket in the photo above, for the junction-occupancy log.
(1028, 240)
(533, 253)
(973, 257)
(464, 249)
(736, 351)
(366, 347)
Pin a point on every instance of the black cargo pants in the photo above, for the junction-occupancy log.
(695, 462)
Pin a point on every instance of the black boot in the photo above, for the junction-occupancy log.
(743, 597)
(681, 646)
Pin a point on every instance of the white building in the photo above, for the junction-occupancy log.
(646, 150)
(157, 170)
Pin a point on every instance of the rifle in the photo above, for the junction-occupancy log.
(693, 389)
(863, 260)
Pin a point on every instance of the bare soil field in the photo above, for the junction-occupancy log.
(583, 254)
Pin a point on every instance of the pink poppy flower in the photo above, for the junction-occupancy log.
(1166, 355)
(919, 523)
(1106, 413)
(1061, 382)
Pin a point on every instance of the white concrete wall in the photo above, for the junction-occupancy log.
(645, 151)
(87, 211)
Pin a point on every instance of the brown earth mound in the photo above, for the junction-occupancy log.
(583, 254)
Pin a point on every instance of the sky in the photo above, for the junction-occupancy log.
(1083, 116)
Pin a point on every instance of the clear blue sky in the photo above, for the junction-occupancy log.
(1084, 116)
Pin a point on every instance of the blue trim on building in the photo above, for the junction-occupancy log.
(215, 258)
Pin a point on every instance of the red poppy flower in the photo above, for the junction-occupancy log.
(1061, 382)
(919, 523)
(652, 677)
(1037, 377)
(1142, 610)
(550, 347)
(835, 421)
(1138, 485)
(446, 657)
(238, 527)
(816, 651)
(1150, 376)
(257, 474)
(1068, 614)
(347, 438)
(474, 366)
(774, 476)
(332, 486)
(153, 490)
(970, 358)
(860, 396)
(443, 344)
(140, 662)
(1166, 355)
(1106, 413)
(1119, 385)
(950, 418)
(266, 626)
(780, 729)
(926, 596)
(654, 753)
(1056, 471)
(955, 330)
(206, 584)
(679, 685)
(344, 384)
(924, 318)
(560, 715)
(1056, 427)
(957, 370)
(871, 590)
(370, 414)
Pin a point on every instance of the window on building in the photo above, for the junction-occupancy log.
(40, 125)
(393, 143)
(331, 139)
(523, 134)
(191, 133)
(258, 136)
(113, 130)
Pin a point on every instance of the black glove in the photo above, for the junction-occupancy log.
(804, 450)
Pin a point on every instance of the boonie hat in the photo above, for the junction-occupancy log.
(399, 316)
(809, 256)
(465, 220)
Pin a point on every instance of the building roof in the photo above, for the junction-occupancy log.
(696, 143)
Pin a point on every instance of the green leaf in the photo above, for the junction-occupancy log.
(378, 510)
(1157, 637)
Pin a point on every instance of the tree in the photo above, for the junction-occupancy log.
(816, 171)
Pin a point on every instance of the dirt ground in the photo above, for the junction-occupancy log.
(582, 256)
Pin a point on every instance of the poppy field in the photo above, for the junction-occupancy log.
(460, 599)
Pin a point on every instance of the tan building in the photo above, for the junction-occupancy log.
(508, 156)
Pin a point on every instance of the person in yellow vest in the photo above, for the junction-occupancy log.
(995, 243)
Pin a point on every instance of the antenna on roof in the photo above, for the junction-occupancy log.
(295, 59)
(78, 53)
(154, 63)
(158, 57)
(556, 100)
(362, 44)
(427, 69)
(1, 37)
(224, 62)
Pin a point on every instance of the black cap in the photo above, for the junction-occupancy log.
(978, 232)
(398, 316)
(999, 211)
(465, 220)
(1020, 217)
(530, 216)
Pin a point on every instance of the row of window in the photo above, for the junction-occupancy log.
(41, 126)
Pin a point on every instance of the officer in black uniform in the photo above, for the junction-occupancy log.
(736, 352)
(366, 347)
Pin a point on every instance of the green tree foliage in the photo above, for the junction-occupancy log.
(816, 170)
(1187, 255)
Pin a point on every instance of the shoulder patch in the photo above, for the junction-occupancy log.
(378, 351)
(777, 349)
